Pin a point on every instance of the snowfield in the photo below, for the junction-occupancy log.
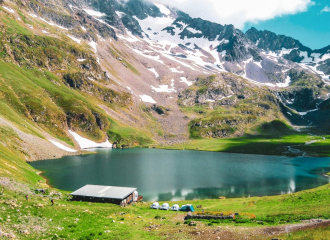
(184, 80)
(165, 88)
(163, 9)
(93, 45)
(94, 13)
(147, 99)
(194, 30)
(195, 58)
(154, 72)
(155, 58)
(176, 70)
(61, 146)
(85, 143)
(120, 14)
(9, 9)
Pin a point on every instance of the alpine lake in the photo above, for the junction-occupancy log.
(164, 175)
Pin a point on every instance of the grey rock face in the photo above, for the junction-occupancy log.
(325, 67)
(270, 41)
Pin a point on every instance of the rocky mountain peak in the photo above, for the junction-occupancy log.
(268, 40)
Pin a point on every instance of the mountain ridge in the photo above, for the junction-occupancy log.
(145, 66)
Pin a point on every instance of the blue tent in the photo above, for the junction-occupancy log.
(187, 208)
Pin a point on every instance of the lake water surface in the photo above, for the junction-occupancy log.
(162, 175)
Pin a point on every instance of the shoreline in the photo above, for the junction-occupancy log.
(47, 180)
(206, 199)
(193, 200)
(87, 152)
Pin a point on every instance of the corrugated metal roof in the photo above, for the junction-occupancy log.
(104, 191)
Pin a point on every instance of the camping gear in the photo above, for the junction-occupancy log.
(187, 208)
(155, 205)
(165, 206)
(175, 207)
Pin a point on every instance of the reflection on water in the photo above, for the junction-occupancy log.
(162, 175)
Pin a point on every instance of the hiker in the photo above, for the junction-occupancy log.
(27, 197)
(52, 201)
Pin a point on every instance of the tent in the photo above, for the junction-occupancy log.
(165, 206)
(175, 207)
(187, 208)
(155, 205)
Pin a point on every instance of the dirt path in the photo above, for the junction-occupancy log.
(294, 227)
(233, 233)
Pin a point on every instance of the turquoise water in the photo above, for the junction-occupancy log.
(162, 175)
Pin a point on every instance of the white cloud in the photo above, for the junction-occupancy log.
(238, 12)
(326, 9)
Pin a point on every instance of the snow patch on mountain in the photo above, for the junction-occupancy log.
(258, 64)
(94, 13)
(313, 68)
(131, 38)
(165, 88)
(194, 30)
(155, 58)
(93, 45)
(184, 80)
(285, 84)
(49, 23)
(9, 9)
(194, 59)
(306, 58)
(120, 14)
(85, 143)
(175, 70)
(226, 97)
(163, 9)
(61, 146)
(147, 99)
(74, 39)
(154, 72)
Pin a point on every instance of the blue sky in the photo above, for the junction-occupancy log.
(311, 28)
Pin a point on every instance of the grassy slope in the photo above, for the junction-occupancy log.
(35, 94)
(258, 118)
(264, 145)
